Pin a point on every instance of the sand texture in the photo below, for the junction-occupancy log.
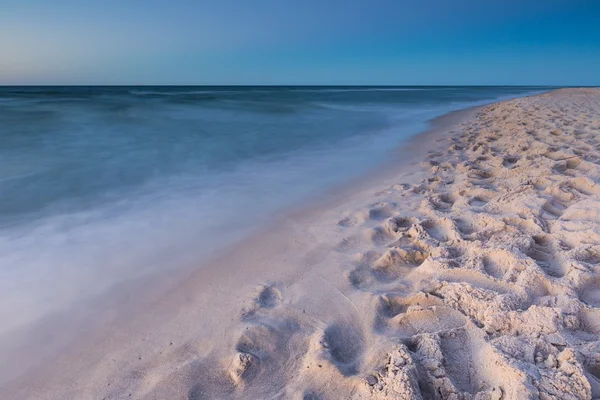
(472, 274)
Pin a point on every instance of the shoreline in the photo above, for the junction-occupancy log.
(80, 323)
(326, 289)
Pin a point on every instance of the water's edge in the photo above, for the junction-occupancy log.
(84, 322)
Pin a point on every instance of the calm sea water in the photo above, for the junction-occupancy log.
(99, 185)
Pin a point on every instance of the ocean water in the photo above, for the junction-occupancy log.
(101, 185)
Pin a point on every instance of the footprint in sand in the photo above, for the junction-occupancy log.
(443, 202)
(510, 161)
(542, 251)
(269, 297)
(498, 262)
(311, 395)
(589, 256)
(589, 293)
(457, 348)
(452, 366)
(379, 235)
(396, 262)
(353, 219)
(464, 227)
(567, 167)
(480, 176)
(590, 320)
(263, 347)
(344, 344)
(478, 201)
(399, 224)
(241, 367)
(382, 211)
(440, 230)
(592, 366)
(388, 267)
(391, 305)
(553, 208)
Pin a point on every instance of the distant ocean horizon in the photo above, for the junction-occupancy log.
(104, 184)
(40, 87)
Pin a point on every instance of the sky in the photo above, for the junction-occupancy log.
(321, 42)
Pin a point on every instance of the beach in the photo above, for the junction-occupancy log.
(467, 267)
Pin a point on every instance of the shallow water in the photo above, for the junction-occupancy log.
(99, 185)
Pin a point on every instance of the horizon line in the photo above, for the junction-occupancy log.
(289, 85)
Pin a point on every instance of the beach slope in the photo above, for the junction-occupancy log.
(468, 270)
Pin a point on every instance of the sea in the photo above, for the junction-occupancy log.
(100, 186)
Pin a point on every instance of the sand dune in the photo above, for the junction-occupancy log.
(472, 275)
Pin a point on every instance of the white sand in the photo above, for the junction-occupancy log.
(472, 275)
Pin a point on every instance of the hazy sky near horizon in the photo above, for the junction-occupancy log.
(533, 42)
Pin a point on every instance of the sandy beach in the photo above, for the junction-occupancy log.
(467, 269)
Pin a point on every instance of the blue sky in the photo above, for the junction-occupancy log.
(541, 42)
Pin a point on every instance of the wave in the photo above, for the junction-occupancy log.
(144, 186)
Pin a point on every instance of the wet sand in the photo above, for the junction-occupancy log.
(467, 269)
